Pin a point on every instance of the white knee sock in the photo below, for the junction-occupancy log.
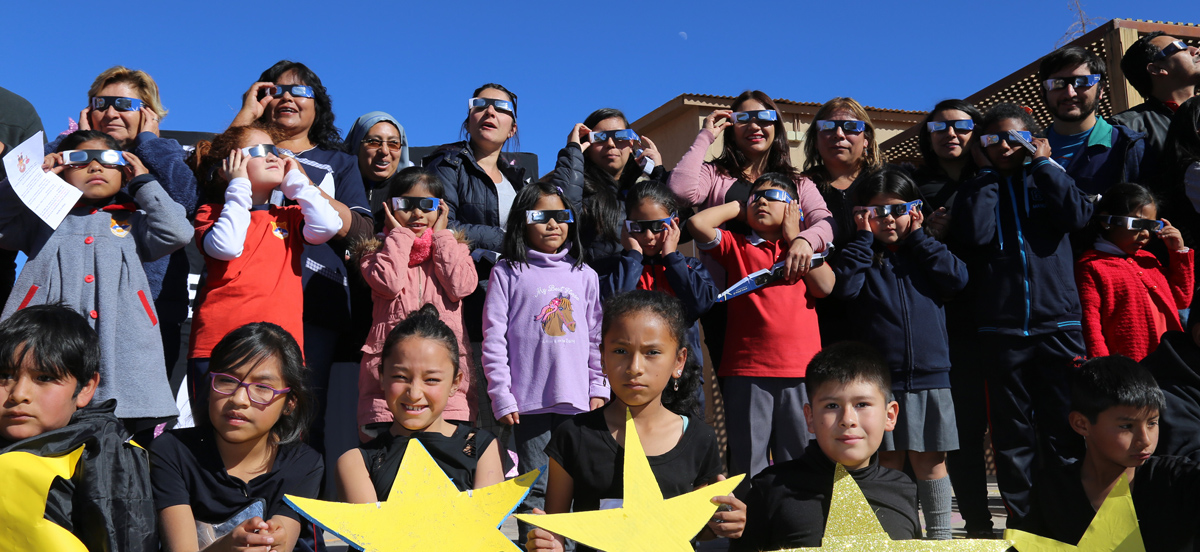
(935, 503)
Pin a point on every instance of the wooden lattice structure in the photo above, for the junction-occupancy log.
(1109, 41)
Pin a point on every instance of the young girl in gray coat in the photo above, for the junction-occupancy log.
(93, 263)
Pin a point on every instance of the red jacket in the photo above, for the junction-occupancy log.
(1120, 294)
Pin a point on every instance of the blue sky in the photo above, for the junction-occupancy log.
(421, 60)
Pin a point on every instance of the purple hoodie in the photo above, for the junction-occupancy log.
(541, 337)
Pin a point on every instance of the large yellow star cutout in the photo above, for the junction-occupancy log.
(1114, 529)
(645, 521)
(424, 511)
(26, 480)
(852, 525)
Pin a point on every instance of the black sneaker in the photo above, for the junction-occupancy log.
(981, 534)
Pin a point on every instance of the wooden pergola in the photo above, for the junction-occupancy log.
(1109, 41)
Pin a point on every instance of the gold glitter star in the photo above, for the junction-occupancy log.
(852, 525)
(1114, 529)
(424, 511)
(645, 521)
(26, 480)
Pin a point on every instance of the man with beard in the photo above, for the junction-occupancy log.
(1165, 71)
(1095, 154)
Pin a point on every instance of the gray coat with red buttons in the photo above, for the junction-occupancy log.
(93, 263)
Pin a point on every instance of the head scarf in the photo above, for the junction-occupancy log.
(363, 124)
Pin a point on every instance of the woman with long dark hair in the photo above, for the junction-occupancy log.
(291, 97)
(605, 158)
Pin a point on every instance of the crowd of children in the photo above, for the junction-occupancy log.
(570, 343)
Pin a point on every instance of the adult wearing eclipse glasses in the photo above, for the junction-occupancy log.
(605, 158)
(1166, 72)
(840, 151)
(942, 141)
(1095, 154)
(481, 185)
(290, 96)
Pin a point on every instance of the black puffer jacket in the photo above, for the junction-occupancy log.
(109, 503)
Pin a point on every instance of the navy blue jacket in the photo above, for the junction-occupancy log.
(686, 276)
(471, 195)
(1113, 154)
(1013, 231)
(895, 303)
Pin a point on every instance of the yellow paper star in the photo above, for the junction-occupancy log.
(26, 480)
(424, 511)
(852, 525)
(1114, 529)
(645, 521)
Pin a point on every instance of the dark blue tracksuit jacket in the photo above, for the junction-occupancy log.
(896, 303)
(1013, 232)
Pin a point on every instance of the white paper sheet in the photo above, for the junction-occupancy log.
(46, 194)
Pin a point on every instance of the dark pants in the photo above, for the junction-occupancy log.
(967, 465)
(1029, 399)
(764, 419)
(320, 346)
(198, 388)
(532, 435)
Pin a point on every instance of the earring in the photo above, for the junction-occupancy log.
(677, 384)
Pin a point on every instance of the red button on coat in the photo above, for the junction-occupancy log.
(88, 240)
(89, 279)
(94, 314)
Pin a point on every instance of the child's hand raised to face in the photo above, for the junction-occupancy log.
(136, 168)
(1043, 147)
(628, 242)
(671, 237)
(1171, 237)
(443, 218)
(917, 217)
(235, 166)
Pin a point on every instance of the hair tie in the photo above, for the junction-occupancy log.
(560, 191)
(1027, 109)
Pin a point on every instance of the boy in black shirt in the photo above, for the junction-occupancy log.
(49, 370)
(1115, 404)
(849, 391)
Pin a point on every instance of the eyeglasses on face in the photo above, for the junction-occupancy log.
(1132, 223)
(1082, 82)
(762, 115)
(259, 393)
(427, 204)
(503, 106)
(545, 216)
(848, 126)
(100, 103)
(109, 158)
(960, 125)
(652, 226)
(895, 211)
(376, 143)
(993, 139)
(622, 135)
(296, 90)
(1170, 50)
(261, 150)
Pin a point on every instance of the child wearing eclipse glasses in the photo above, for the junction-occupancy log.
(651, 259)
(416, 261)
(894, 278)
(93, 262)
(541, 329)
(1128, 299)
(772, 332)
(1013, 221)
(252, 249)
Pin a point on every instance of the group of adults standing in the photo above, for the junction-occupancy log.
(1155, 143)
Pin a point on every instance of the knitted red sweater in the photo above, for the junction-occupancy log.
(1120, 294)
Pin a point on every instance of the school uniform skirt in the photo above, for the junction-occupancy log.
(926, 422)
